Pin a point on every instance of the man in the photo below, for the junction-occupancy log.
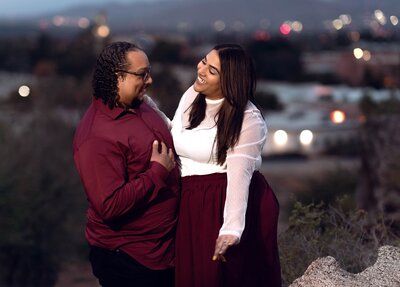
(124, 154)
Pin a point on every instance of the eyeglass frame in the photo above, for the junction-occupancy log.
(144, 75)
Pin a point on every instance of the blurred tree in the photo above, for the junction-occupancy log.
(41, 201)
(78, 57)
(379, 182)
(328, 186)
(15, 54)
(45, 48)
(166, 52)
(166, 90)
(58, 92)
(75, 57)
(276, 59)
(268, 101)
(372, 80)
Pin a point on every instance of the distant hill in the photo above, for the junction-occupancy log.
(236, 14)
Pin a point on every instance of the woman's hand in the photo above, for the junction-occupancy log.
(222, 244)
(165, 157)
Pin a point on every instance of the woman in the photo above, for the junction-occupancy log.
(227, 228)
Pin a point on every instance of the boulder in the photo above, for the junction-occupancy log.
(326, 272)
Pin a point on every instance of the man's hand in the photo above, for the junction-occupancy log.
(165, 157)
(222, 244)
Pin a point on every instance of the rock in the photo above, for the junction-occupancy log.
(326, 272)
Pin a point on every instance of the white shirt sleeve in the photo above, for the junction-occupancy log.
(148, 100)
(241, 162)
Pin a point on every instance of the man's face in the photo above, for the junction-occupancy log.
(133, 87)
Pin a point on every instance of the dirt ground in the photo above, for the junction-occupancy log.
(77, 275)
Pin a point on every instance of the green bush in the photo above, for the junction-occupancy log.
(41, 201)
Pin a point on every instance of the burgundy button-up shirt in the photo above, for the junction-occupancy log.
(132, 201)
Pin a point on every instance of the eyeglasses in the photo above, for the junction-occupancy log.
(144, 75)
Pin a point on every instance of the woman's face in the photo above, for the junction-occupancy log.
(208, 81)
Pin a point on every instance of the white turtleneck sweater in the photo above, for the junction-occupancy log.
(196, 150)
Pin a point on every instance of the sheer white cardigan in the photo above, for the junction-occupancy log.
(196, 150)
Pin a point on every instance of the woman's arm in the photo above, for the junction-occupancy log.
(148, 100)
(242, 161)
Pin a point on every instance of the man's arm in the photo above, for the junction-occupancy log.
(102, 167)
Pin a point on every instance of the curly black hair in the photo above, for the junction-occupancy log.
(105, 76)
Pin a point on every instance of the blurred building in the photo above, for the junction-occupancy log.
(364, 64)
(316, 118)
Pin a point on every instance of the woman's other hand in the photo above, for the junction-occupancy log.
(222, 244)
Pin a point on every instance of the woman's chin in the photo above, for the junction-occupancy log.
(197, 86)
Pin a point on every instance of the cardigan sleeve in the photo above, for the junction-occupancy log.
(148, 100)
(241, 163)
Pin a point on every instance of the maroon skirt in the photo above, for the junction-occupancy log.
(253, 262)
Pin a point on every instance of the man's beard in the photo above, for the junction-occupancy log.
(136, 103)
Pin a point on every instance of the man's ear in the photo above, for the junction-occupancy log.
(119, 77)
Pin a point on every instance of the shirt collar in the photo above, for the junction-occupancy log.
(112, 113)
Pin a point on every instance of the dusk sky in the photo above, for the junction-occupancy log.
(16, 8)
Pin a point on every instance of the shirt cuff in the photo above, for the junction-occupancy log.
(230, 232)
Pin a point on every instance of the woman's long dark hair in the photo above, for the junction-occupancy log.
(105, 75)
(238, 85)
